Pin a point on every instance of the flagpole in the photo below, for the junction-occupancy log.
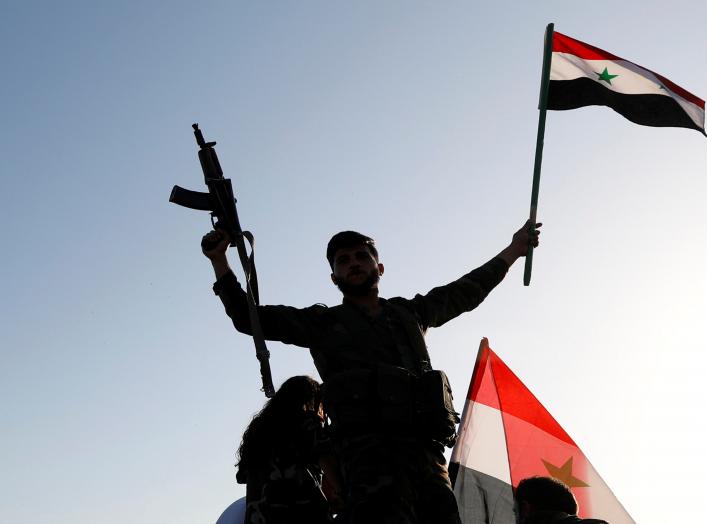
(542, 106)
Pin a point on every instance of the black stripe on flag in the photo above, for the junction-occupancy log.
(647, 110)
(481, 498)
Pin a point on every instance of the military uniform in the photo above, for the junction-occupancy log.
(393, 471)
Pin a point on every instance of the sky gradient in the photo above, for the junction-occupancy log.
(124, 387)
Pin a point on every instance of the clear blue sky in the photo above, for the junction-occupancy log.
(124, 387)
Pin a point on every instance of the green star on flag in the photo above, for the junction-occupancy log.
(605, 76)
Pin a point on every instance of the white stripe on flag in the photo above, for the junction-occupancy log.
(630, 79)
(482, 442)
(607, 506)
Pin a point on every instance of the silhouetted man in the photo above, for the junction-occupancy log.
(391, 412)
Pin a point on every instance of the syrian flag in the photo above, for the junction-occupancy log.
(583, 75)
(506, 435)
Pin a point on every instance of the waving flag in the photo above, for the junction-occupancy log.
(576, 74)
(583, 75)
(506, 435)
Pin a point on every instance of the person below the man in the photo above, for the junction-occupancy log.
(547, 500)
(391, 412)
(281, 456)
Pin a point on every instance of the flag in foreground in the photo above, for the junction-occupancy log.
(506, 435)
(583, 75)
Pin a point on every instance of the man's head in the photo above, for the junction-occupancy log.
(543, 494)
(353, 259)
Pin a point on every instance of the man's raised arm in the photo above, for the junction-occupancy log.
(282, 323)
(444, 303)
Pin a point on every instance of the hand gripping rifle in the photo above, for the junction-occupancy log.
(221, 202)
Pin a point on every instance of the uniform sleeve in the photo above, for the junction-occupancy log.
(444, 303)
(282, 323)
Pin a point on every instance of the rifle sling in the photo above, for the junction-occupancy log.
(251, 277)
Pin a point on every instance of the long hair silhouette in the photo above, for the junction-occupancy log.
(281, 415)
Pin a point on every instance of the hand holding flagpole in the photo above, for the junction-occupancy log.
(544, 84)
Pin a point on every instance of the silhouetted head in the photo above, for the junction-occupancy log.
(536, 494)
(353, 259)
(296, 393)
(349, 239)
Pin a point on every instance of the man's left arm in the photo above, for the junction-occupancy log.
(444, 303)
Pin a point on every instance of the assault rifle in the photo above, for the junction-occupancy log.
(221, 203)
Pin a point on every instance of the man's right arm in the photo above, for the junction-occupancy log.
(282, 323)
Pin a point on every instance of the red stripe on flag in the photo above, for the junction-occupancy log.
(496, 386)
(565, 44)
(517, 400)
(682, 92)
(477, 393)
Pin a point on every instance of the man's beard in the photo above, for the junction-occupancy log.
(360, 289)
